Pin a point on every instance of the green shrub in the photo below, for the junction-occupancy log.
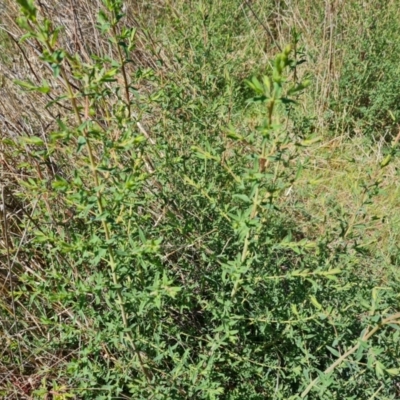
(182, 273)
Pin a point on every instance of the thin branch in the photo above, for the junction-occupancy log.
(265, 26)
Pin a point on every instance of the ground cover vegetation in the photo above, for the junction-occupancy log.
(199, 199)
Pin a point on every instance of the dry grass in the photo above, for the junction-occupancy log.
(335, 181)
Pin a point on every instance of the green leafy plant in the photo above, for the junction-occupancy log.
(173, 265)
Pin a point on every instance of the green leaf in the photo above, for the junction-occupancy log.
(60, 184)
(30, 87)
(202, 154)
(28, 8)
(379, 369)
(333, 271)
(242, 197)
(231, 133)
(314, 301)
(81, 143)
(142, 236)
(393, 371)
(386, 161)
(256, 85)
(333, 351)
(34, 140)
(309, 142)
(104, 23)
(54, 36)
(56, 70)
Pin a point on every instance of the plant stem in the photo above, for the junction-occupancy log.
(124, 74)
